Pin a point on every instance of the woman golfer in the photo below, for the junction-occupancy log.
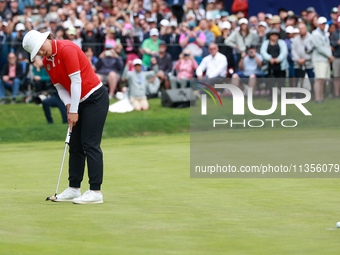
(87, 104)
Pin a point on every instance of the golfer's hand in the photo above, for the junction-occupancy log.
(72, 118)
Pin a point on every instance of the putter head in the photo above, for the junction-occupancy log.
(52, 198)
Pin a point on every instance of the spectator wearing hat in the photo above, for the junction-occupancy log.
(137, 26)
(275, 52)
(302, 53)
(52, 26)
(275, 23)
(261, 35)
(225, 49)
(73, 36)
(152, 23)
(11, 76)
(288, 41)
(110, 37)
(193, 40)
(150, 47)
(214, 65)
(185, 67)
(5, 12)
(233, 22)
(164, 26)
(109, 68)
(130, 42)
(164, 62)
(321, 57)
(16, 44)
(335, 43)
(138, 81)
(241, 39)
(172, 40)
(334, 16)
(42, 16)
(250, 66)
(311, 14)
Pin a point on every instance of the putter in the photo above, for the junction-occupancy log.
(67, 140)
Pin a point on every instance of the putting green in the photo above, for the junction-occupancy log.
(152, 206)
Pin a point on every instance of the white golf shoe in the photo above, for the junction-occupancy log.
(89, 197)
(67, 195)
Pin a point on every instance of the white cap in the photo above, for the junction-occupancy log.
(322, 20)
(289, 30)
(137, 61)
(225, 25)
(154, 31)
(263, 23)
(339, 19)
(269, 16)
(72, 31)
(296, 31)
(243, 21)
(78, 23)
(173, 23)
(20, 27)
(33, 41)
(165, 23)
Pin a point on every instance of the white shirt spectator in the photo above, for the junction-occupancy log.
(214, 66)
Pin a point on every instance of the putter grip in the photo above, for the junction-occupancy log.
(68, 136)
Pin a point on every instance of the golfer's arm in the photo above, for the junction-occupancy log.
(75, 91)
(63, 94)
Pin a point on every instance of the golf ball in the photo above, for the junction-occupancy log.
(338, 224)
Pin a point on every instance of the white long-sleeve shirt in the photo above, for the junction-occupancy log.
(214, 66)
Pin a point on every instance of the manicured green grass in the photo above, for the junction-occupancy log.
(152, 206)
(26, 122)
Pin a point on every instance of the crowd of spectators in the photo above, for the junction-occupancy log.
(173, 42)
